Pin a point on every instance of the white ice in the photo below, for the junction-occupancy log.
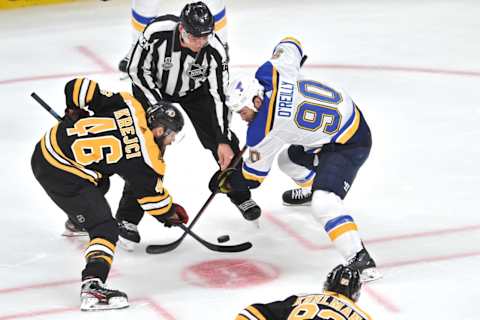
(413, 68)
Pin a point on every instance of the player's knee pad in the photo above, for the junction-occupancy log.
(326, 206)
(297, 164)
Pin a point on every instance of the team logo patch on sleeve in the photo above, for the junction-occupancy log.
(277, 53)
(254, 156)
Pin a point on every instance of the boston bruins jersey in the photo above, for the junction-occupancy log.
(112, 138)
(328, 305)
(295, 110)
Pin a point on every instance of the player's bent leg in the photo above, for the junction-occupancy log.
(328, 209)
(129, 237)
(99, 257)
(128, 216)
(298, 165)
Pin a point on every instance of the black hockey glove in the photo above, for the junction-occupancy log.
(227, 181)
(75, 113)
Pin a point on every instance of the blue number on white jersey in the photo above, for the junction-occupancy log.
(312, 116)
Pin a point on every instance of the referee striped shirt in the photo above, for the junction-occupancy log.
(163, 70)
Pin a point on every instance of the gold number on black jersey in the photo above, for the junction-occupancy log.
(303, 312)
(89, 150)
(92, 125)
(310, 311)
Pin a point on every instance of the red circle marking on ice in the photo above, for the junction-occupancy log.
(229, 273)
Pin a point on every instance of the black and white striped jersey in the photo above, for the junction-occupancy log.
(163, 70)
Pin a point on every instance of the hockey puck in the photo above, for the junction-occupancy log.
(223, 238)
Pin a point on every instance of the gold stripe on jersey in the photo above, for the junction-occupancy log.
(91, 90)
(53, 141)
(306, 184)
(254, 311)
(151, 199)
(99, 248)
(342, 229)
(137, 25)
(247, 175)
(294, 40)
(63, 166)
(273, 98)
(219, 25)
(150, 150)
(98, 254)
(350, 131)
(241, 317)
(102, 242)
(166, 206)
(76, 90)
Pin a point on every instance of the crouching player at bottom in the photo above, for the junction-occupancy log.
(341, 292)
(328, 136)
(104, 134)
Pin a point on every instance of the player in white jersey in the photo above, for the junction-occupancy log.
(144, 11)
(329, 141)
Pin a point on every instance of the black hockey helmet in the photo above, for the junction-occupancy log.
(344, 280)
(197, 19)
(166, 115)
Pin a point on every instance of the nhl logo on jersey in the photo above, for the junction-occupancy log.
(196, 71)
(167, 63)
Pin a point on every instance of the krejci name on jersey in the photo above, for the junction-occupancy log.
(127, 130)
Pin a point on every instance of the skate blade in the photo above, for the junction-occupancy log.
(306, 204)
(92, 304)
(371, 274)
(127, 245)
(256, 223)
(69, 233)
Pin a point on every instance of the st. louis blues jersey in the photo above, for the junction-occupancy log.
(295, 110)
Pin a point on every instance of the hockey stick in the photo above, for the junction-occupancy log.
(216, 247)
(162, 248)
(46, 106)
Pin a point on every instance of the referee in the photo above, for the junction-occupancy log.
(181, 59)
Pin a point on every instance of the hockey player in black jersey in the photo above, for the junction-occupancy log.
(337, 302)
(103, 134)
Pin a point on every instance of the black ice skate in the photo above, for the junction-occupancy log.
(128, 235)
(94, 296)
(73, 230)
(365, 265)
(297, 197)
(249, 209)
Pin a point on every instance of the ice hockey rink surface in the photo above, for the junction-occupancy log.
(413, 68)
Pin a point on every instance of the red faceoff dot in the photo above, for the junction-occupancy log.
(230, 273)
